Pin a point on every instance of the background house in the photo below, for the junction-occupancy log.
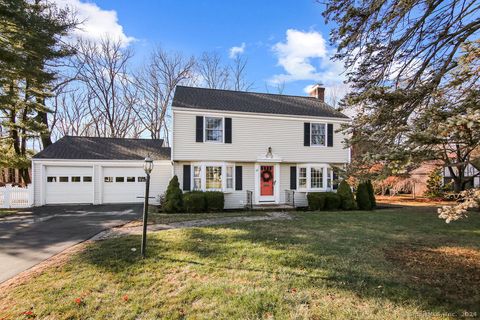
(472, 174)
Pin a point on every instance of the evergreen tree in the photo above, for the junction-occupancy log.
(435, 184)
(173, 197)
(362, 197)
(31, 44)
(413, 69)
(371, 193)
(346, 194)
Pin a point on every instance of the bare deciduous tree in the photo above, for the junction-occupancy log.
(156, 83)
(279, 87)
(103, 69)
(335, 93)
(71, 117)
(238, 76)
(213, 72)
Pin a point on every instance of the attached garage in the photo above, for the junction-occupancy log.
(77, 170)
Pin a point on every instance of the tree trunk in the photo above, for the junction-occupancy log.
(457, 184)
(25, 176)
(45, 137)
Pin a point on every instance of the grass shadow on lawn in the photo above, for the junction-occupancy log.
(385, 264)
(413, 260)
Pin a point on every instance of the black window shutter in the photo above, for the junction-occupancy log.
(330, 135)
(186, 177)
(293, 178)
(306, 134)
(228, 130)
(199, 129)
(238, 178)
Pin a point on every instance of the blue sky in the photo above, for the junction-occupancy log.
(284, 41)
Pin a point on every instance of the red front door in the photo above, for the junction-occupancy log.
(266, 180)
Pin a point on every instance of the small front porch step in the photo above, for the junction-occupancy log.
(272, 207)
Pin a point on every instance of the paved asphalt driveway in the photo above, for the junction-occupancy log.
(39, 233)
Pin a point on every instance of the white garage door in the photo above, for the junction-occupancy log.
(68, 184)
(123, 184)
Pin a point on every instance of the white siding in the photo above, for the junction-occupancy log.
(251, 136)
(97, 183)
(300, 197)
(160, 177)
(37, 183)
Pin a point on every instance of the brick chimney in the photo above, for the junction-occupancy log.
(318, 92)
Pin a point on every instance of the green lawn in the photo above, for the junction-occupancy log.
(386, 264)
(7, 212)
(162, 218)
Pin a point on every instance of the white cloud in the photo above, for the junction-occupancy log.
(305, 56)
(235, 51)
(97, 23)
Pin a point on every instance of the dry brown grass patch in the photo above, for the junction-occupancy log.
(454, 272)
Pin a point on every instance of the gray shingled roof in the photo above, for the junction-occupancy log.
(90, 148)
(240, 101)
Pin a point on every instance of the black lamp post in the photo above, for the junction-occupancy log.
(148, 167)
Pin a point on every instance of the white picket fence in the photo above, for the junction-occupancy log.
(16, 197)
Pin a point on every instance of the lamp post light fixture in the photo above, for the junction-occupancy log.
(148, 167)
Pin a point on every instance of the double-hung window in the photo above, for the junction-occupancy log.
(318, 134)
(197, 178)
(213, 179)
(329, 178)
(302, 178)
(229, 177)
(316, 177)
(214, 129)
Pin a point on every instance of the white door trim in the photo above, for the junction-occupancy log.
(276, 186)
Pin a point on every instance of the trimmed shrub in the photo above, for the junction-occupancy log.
(371, 194)
(324, 201)
(214, 200)
(333, 201)
(194, 202)
(316, 200)
(346, 194)
(363, 198)
(173, 197)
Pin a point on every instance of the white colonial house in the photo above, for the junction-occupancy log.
(257, 148)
